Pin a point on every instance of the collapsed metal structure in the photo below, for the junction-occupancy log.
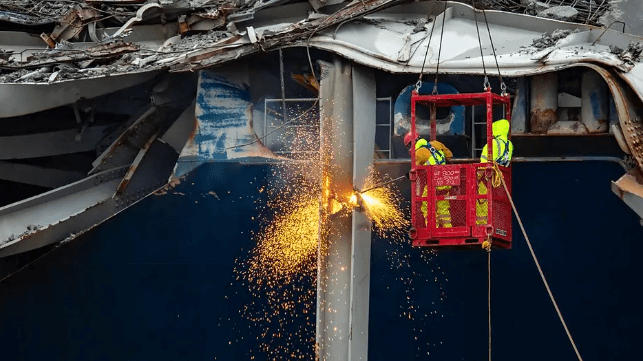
(105, 102)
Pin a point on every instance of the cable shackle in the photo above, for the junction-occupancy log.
(486, 84)
(503, 87)
(418, 85)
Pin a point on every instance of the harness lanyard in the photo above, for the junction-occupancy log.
(439, 160)
(503, 160)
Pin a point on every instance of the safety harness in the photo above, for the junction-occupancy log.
(439, 158)
(503, 159)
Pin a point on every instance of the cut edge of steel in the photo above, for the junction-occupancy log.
(132, 169)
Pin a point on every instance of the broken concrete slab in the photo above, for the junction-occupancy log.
(631, 54)
(550, 39)
(563, 13)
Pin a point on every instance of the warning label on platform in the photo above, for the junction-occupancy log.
(446, 177)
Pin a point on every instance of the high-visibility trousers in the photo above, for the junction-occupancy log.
(482, 208)
(442, 208)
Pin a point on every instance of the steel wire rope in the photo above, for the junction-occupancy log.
(486, 85)
(489, 295)
(437, 70)
(503, 87)
(418, 85)
(484, 68)
(542, 275)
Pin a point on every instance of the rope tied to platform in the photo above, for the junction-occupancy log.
(542, 275)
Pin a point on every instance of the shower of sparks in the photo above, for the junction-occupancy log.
(382, 206)
(288, 243)
(281, 271)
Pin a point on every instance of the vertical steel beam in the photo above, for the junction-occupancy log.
(334, 262)
(364, 108)
(347, 97)
(520, 107)
(594, 102)
(544, 102)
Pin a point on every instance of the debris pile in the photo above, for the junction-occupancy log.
(564, 13)
(90, 38)
(102, 37)
(581, 11)
(548, 40)
(28, 12)
(631, 54)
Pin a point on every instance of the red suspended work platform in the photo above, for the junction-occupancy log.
(451, 204)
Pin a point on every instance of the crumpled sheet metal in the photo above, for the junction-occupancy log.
(389, 40)
(630, 189)
(378, 44)
(629, 108)
(381, 39)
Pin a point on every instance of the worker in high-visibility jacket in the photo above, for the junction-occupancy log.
(502, 150)
(432, 153)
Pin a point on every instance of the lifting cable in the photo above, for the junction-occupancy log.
(542, 275)
(437, 70)
(487, 85)
(489, 293)
(418, 85)
(496, 181)
(503, 87)
(484, 68)
(486, 245)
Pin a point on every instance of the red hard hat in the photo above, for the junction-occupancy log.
(408, 138)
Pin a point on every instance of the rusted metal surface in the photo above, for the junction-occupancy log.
(139, 17)
(52, 216)
(544, 102)
(629, 107)
(295, 32)
(134, 165)
(620, 138)
(542, 119)
(48, 40)
(632, 182)
(102, 51)
(630, 189)
(567, 127)
(594, 102)
(69, 26)
(373, 42)
(66, 212)
(124, 150)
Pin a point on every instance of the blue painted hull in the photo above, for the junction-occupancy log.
(157, 281)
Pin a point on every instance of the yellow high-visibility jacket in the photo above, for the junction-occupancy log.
(502, 147)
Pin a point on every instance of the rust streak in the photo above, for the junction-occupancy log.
(541, 120)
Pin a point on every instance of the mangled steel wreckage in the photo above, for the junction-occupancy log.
(105, 102)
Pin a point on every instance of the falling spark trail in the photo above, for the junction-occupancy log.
(281, 270)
